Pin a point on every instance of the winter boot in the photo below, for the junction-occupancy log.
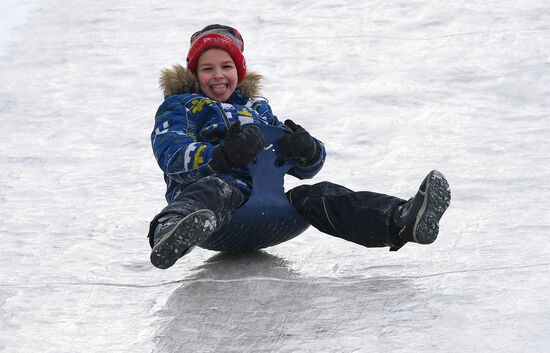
(417, 220)
(176, 235)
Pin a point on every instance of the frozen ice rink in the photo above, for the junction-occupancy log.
(394, 89)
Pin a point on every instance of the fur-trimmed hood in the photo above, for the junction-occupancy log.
(179, 80)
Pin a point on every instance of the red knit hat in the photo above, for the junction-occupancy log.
(221, 37)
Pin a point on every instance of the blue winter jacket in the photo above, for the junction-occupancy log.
(189, 125)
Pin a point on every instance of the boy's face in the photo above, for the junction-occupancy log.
(217, 74)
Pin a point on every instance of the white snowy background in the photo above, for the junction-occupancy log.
(394, 89)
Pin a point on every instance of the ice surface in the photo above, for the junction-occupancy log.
(394, 89)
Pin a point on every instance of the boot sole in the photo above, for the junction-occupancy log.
(190, 231)
(436, 201)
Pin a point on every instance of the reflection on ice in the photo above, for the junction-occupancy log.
(257, 303)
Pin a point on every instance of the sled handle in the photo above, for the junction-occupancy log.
(269, 169)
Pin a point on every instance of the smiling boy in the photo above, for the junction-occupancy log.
(206, 132)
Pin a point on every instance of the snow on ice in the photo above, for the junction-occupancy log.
(394, 89)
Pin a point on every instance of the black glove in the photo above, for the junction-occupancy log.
(298, 144)
(239, 148)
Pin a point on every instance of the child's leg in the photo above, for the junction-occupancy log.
(196, 213)
(371, 219)
(361, 217)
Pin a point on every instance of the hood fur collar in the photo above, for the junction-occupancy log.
(179, 80)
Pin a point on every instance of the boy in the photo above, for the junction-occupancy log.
(207, 180)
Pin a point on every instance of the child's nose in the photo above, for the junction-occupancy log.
(218, 73)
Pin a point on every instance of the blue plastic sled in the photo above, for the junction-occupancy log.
(267, 218)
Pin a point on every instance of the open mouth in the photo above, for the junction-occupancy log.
(219, 88)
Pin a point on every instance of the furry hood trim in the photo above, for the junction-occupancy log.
(179, 80)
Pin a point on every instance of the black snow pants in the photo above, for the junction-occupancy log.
(362, 217)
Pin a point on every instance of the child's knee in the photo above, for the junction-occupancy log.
(322, 189)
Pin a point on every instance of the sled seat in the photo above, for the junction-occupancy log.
(267, 218)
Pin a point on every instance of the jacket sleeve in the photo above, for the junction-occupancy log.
(177, 149)
(302, 171)
(299, 170)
